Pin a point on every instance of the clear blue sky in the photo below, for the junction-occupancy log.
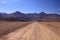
(50, 6)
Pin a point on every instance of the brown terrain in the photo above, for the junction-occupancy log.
(29, 30)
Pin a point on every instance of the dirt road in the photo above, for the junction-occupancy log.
(33, 31)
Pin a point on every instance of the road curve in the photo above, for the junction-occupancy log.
(33, 31)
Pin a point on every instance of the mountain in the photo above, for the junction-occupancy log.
(19, 16)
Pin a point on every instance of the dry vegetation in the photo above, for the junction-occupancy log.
(54, 26)
(7, 27)
(32, 31)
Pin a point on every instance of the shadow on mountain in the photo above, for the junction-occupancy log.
(19, 16)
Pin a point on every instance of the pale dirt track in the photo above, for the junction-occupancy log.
(33, 31)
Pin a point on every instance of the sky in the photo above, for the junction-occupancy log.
(30, 6)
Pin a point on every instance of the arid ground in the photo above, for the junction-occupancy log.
(29, 30)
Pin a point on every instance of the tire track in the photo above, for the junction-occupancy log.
(17, 34)
(26, 35)
(33, 31)
(47, 33)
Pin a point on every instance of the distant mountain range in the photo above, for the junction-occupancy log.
(19, 16)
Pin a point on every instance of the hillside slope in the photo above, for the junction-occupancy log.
(19, 16)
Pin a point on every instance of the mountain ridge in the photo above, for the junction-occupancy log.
(19, 16)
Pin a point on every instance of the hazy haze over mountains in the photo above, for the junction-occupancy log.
(19, 16)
